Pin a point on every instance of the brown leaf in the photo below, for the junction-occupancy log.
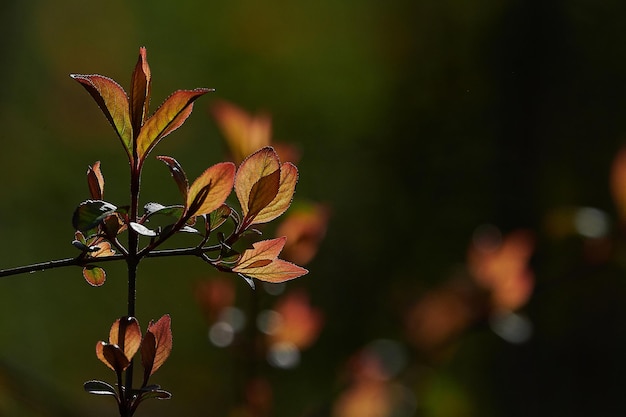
(112, 356)
(177, 173)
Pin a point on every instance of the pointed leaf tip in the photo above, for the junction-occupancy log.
(112, 100)
(217, 183)
(167, 118)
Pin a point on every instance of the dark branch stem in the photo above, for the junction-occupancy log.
(81, 261)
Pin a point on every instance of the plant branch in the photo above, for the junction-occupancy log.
(82, 261)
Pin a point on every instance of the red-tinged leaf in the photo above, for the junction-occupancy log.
(258, 165)
(94, 275)
(262, 250)
(126, 334)
(148, 353)
(167, 118)
(140, 91)
(95, 181)
(177, 173)
(112, 100)
(219, 179)
(162, 333)
(276, 271)
(282, 201)
(244, 133)
(112, 356)
(262, 194)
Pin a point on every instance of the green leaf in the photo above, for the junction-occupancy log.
(175, 211)
(99, 388)
(94, 275)
(167, 118)
(219, 216)
(112, 100)
(90, 213)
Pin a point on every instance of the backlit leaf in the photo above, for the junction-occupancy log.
(94, 275)
(140, 91)
(112, 100)
(282, 201)
(90, 213)
(112, 356)
(262, 193)
(219, 179)
(167, 118)
(158, 344)
(126, 334)
(258, 165)
(95, 181)
(276, 271)
(262, 262)
(103, 249)
(262, 250)
(177, 173)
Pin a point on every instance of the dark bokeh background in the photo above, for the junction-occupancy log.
(418, 121)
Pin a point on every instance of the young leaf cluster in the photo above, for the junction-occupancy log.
(125, 341)
(263, 185)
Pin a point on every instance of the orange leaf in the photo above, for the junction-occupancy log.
(95, 181)
(113, 102)
(140, 91)
(262, 262)
(244, 133)
(262, 193)
(262, 250)
(217, 183)
(94, 275)
(282, 201)
(126, 334)
(304, 228)
(276, 271)
(253, 171)
(167, 118)
(300, 323)
(158, 342)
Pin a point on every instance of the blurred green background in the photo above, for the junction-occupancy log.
(418, 121)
